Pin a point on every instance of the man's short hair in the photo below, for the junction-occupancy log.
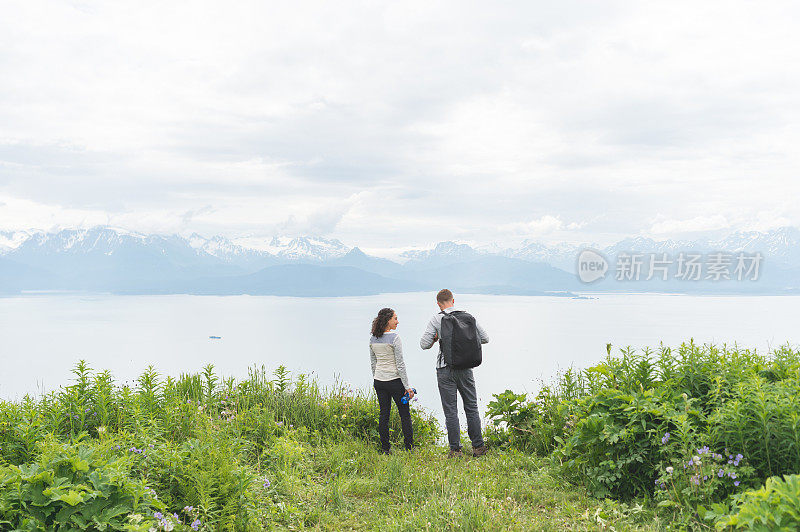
(444, 295)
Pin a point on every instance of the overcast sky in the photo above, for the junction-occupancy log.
(391, 124)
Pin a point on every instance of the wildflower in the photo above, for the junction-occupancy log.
(188, 509)
(721, 473)
(705, 477)
(733, 475)
(158, 515)
(739, 457)
(168, 526)
(175, 515)
(736, 483)
(665, 439)
(267, 483)
(195, 524)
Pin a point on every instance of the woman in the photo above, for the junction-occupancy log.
(389, 372)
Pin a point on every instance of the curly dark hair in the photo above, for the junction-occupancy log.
(379, 323)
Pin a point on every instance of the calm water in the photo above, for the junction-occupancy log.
(42, 336)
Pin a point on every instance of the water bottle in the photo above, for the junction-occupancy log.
(405, 398)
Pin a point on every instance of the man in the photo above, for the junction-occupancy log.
(453, 380)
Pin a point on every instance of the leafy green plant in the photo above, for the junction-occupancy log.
(774, 506)
(72, 487)
(699, 480)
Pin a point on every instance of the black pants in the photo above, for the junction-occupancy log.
(386, 391)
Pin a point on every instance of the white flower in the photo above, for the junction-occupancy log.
(670, 470)
(168, 526)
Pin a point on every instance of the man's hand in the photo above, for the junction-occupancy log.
(410, 393)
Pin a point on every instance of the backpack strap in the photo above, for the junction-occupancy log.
(440, 358)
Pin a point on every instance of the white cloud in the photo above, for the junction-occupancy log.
(444, 121)
(691, 225)
(541, 226)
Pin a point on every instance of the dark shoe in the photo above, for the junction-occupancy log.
(387, 453)
(455, 453)
(479, 451)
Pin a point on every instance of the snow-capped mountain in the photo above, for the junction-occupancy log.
(11, 240)
(112, 259)
(443, 252)
(561, 255)
(305, 248)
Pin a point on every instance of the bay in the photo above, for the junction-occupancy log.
(42, 336)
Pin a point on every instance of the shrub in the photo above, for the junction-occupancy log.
(701, 478)
(775, 506)
(605, 424)
(615, 446)
(762, 420)
(72, 487)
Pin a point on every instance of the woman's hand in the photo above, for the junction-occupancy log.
(410, 393)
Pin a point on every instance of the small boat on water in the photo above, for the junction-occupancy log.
(215, 337)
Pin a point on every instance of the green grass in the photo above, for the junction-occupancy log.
(265, 454)
(349, 486)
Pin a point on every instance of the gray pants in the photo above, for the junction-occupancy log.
(461, 381)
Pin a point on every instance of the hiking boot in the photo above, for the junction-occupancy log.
(455, 453)
(479, 451)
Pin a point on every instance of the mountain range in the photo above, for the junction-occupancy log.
(106, 259)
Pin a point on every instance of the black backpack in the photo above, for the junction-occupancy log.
(460, 342)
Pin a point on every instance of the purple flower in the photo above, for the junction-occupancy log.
(721, 473)
(158, 515)
(195, 524)
(736, 483)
